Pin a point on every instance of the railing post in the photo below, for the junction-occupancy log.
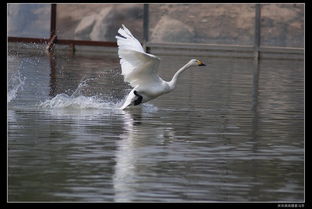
(145, 26)
(53, 20)
(257, 31)
(53, 37)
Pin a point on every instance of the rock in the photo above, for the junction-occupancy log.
(281, 24)
(100, 27)
(104, 25)
(171, 30)
(129, 15)
(85, 27)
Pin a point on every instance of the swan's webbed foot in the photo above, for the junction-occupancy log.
(138, 100)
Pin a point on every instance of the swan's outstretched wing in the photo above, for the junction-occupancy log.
(137, 66)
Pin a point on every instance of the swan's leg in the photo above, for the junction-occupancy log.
(138, 100)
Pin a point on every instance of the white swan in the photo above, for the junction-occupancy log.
(140, 70)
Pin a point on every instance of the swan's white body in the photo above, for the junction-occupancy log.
(140, 70)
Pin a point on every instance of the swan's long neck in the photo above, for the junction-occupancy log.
(174, 79)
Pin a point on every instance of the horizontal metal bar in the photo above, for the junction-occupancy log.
(277, 49)
(63, 41)
(173, 46)
(201, 46)
(223, 47)
(86, 42)
(28, 40)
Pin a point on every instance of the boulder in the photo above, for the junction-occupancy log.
(85, 26)
(104, 25)
(100, 27)
(172, 30)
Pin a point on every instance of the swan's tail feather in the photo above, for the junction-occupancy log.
(133, 98)
(126, 104)
(129, 100)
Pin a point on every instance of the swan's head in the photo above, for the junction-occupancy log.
(196, 62)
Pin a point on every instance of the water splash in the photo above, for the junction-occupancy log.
(75, 102)
(150, 108)
(78, 101)
(16, 83)
(83, 84)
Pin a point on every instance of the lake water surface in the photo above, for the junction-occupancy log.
(232, 131)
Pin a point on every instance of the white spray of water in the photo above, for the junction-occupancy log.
(78, 101)
(72, 102)
(16, 84)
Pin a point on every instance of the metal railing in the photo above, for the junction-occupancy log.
(214, 49)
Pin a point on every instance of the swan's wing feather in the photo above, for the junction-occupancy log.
(137, 66)
(128, 41)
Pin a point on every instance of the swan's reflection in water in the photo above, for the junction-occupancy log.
(139, 142)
